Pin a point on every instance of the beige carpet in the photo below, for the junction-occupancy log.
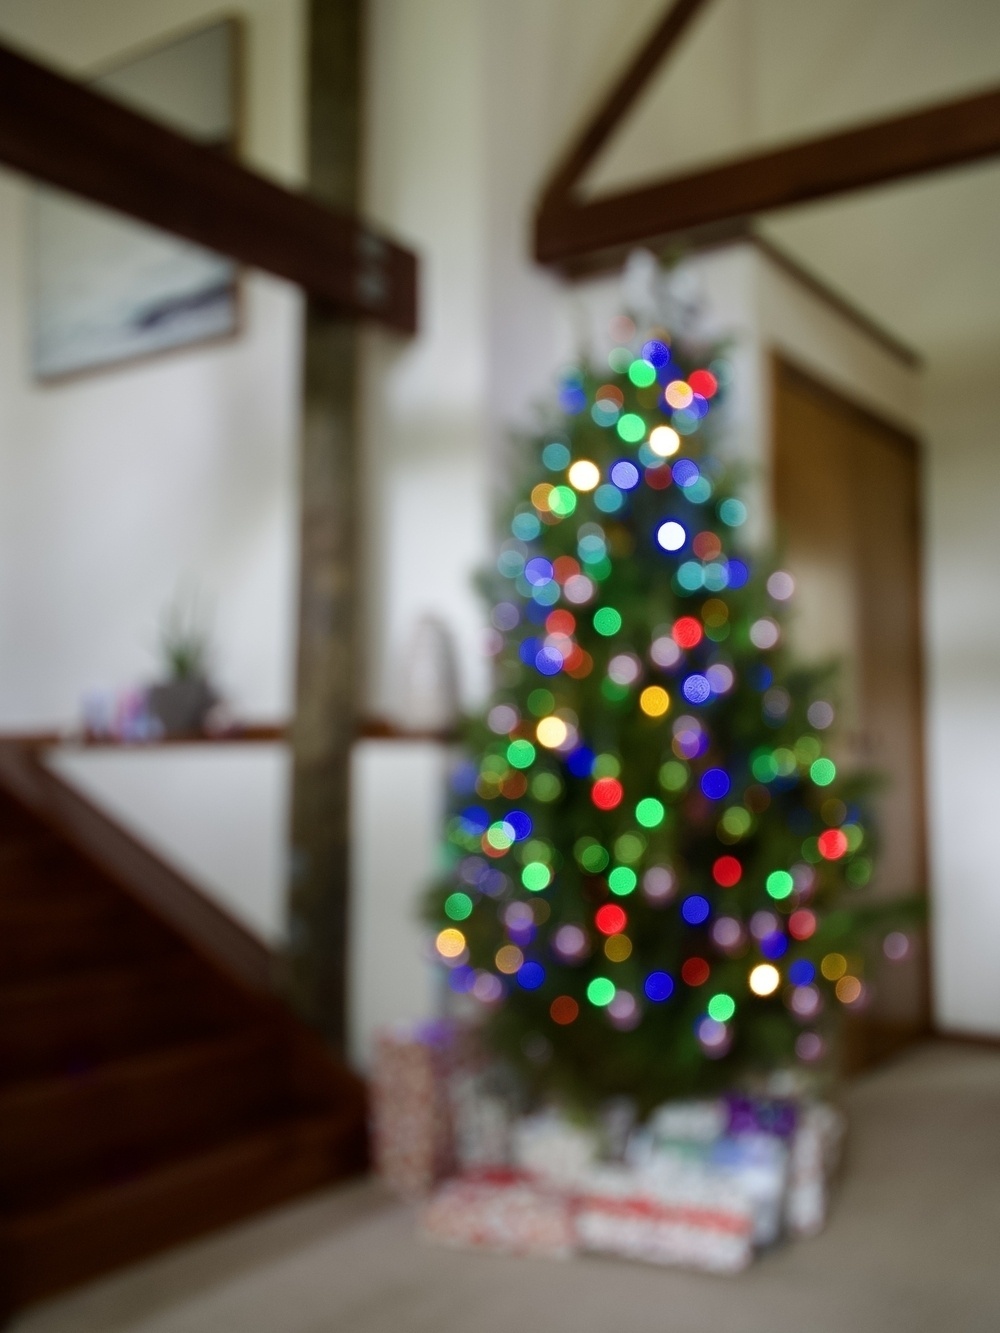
(913, 1244)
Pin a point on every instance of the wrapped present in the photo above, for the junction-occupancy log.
(759, 1115)
(690, 1121)
(413, 1137)
(751, 1167)
(701, 1223)
(814, 1157)
(757, 1165)
(483, 1122)
(502, 1211)
(553, 1150)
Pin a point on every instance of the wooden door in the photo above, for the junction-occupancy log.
(846, 491)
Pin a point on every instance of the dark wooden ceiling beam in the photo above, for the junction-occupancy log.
(64, 134)
(947, 135)
(618, 100)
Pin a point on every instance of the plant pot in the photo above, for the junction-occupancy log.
(182, 705)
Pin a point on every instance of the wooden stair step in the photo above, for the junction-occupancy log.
(72, 1022)
(47, 1249)
(61, 1129)
(40, 937)
(47, 871)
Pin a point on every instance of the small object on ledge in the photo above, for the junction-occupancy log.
(430, 687)
(182, 706)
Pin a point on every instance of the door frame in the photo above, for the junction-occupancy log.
(880, 1042)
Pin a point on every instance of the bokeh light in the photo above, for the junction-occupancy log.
(530, 976)
(664, 441)
(833, 966)
(631, 427)
(570, 943)
(695, 910)
(610, 919)
(896, 946)
(520, 754)
(607, 793)
(659, 986)
(622, 880)
(832, 843)
(764, 979)
(687, 632)
(536, 876)
(458, 906)
(551, 732)
(659, 884)
(654, 701)
(508, 959)
(671, 535)
(600, 991)
(721, 1007)
(779, 884)
(781, 585)
(695, 972)
(584, 475)
(450, 943)
(617, 948)
(727, 871)
(564, 1010)
(715, 784)
(650, 812)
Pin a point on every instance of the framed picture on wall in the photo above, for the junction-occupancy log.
(105, 289)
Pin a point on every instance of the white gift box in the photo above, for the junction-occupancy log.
(700, 1224)
(552, 1149)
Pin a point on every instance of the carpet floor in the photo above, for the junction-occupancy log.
(913, 1245)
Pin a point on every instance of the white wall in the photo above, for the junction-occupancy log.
(119, 487)
(962, 629)
(537, 67)
(469, 104)
(217, 813)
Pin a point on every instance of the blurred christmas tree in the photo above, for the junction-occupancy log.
(653, 863)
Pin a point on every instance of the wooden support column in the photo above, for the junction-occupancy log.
(326, 709)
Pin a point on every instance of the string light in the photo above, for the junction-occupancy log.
(764, 979)
(584, 475)
(527, 910)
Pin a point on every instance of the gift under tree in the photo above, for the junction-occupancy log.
(654, 867)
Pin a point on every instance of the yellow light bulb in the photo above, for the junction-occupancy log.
(450, 943)
(664, 441)
(833, 966)
(540, 496)
(509, 958)
(764, 979)
(678, 394)
(848, 990)
(551, 732)
(617, 948)
(584, 475)
(654, 701)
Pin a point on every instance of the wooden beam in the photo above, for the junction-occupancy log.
(328, 659)
(619, 99)
(947, 135)
(66, 135)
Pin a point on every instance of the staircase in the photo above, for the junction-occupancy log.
(148, 1091)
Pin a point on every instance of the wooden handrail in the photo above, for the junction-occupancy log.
(370, 728)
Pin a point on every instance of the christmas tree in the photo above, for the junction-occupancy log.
(653, 863)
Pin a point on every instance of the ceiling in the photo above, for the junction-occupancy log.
(920, 257)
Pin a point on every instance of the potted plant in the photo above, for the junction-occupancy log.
(181, 702)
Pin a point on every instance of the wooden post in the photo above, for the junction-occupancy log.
(326, 708)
